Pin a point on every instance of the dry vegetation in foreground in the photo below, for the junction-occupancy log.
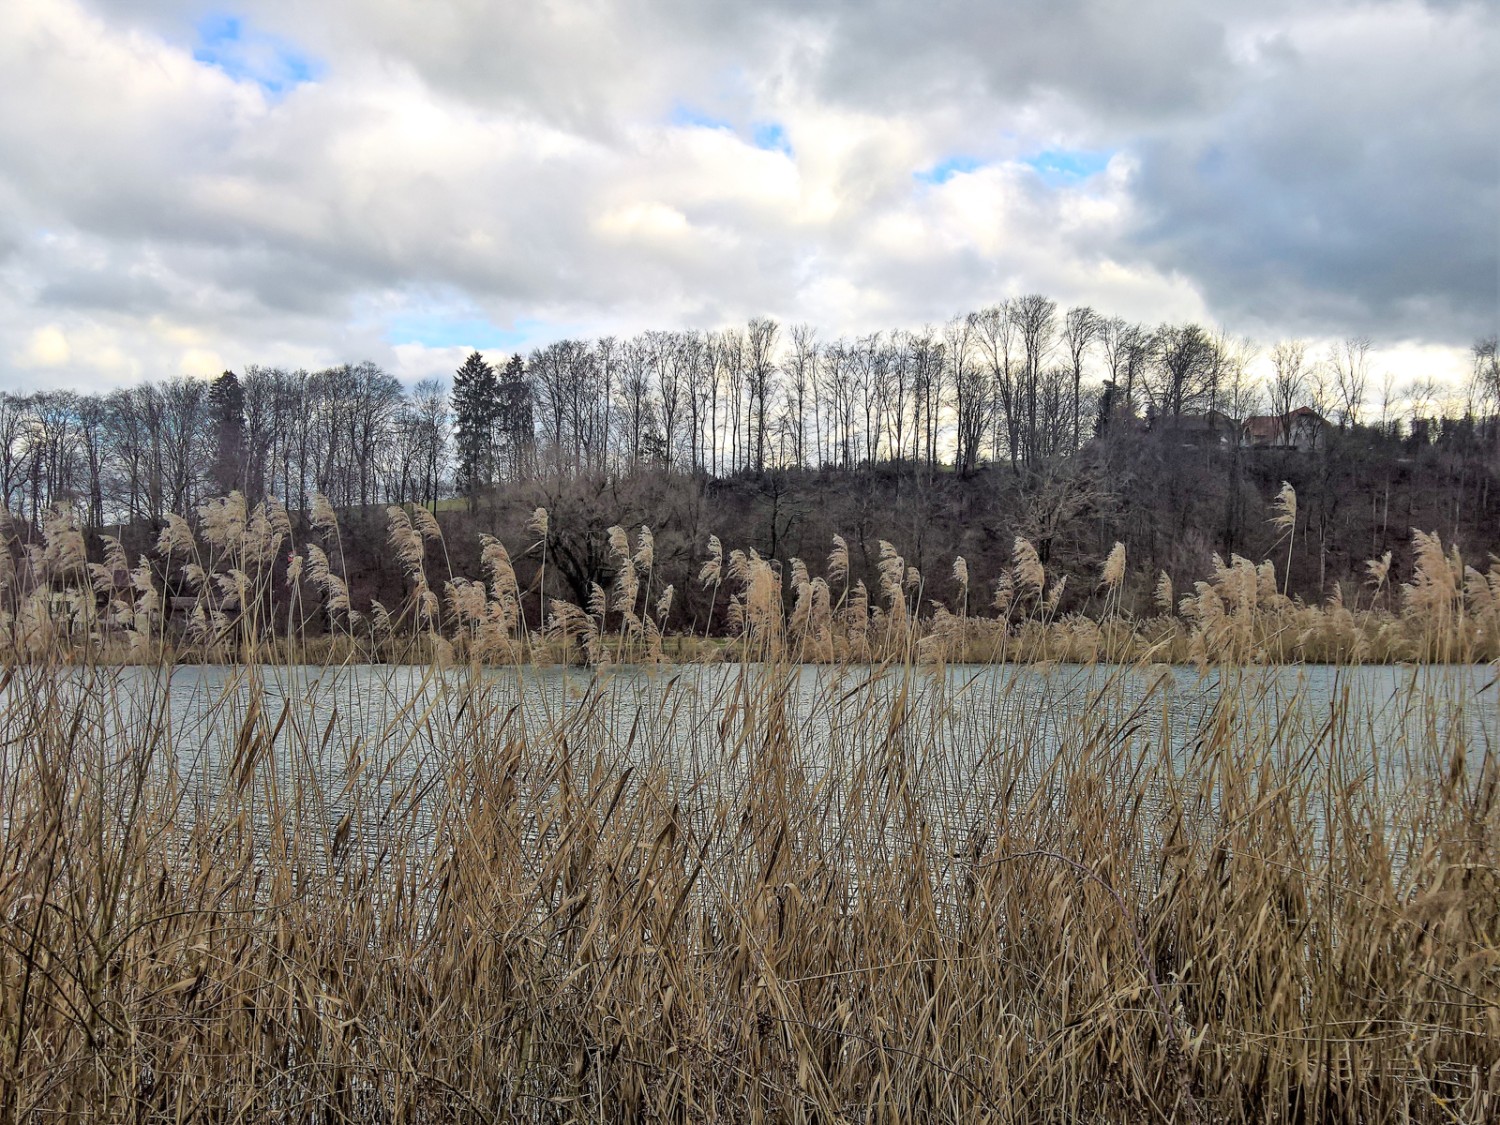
(477, 905)
(481, 903)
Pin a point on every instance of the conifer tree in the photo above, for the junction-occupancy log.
(226, 404)
(476, 408)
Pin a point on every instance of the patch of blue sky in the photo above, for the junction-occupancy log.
(458, 330)
(945, 170)
(770, 136)
(1062, 167)
(691, 117)
(247, 54)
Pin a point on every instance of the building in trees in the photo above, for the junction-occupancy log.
(1303, 429)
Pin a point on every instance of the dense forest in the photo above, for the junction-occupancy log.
(1063, 426)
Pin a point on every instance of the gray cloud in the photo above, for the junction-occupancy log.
(1354, 183)
(1310, 169)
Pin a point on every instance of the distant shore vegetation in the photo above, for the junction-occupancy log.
(1065, 428)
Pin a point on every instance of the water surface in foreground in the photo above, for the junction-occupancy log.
(955, 714)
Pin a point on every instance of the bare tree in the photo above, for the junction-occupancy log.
(799, 371)
(1185, 368)
(1288, 389)
(1081, 327)
(1350, 360)
(1035, 319)
(995, 338)
(760, 373)
(900, 365)
(972, 398)
(638, 414)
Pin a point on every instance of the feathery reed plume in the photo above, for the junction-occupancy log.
(627, 586)
(1029, 572)
(566, 622)
(1378, 570)
(856, 617)
(278, 527)
(406, 541)
(1005, 593)
(427, 524)
(1164, 595)
(223, 522)
(1114, 568)
(116, 563)
(1054, 596)
(322, 516)
(961, 576)
(1284, 518)
(664, 603)
(762, 605)
(892, 570)
(645, 556)
(468, 602)
(335, 592)
(838, 561)
(712, 571)
(1284, 508)
(496, 562)
(176, 538)
(539, 522)
(63, 550)
(1477, 592)
(1434, 596)
(148, 599)
(598, 601)
(380, 620)
(1432, 585)
(619, 542)
(1265, 578)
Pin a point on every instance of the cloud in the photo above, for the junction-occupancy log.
(305, 184)
(1355, 183)
(48, 347)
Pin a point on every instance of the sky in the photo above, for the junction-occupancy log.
(190, 187)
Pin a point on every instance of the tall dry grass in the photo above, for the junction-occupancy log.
(244, 599)
(860, 892)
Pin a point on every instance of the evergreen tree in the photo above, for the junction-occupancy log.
(515, 428)
(226, 405)
(475, 413)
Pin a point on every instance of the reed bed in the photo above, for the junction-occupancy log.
(884, 889)
(244, 591)
(885, 895)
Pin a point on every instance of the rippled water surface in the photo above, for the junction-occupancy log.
(711, 713)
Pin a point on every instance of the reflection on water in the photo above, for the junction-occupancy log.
(962, 743)
(958, 715)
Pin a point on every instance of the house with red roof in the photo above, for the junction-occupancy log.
(1303, 429)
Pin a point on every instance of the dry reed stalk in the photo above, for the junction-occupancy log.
(544, 923)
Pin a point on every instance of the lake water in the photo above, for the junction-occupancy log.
(399, 721)
(853, 746)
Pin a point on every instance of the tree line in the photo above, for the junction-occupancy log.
(1023, 383)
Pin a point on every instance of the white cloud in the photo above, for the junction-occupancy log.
(451, 178)
(48, 347)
